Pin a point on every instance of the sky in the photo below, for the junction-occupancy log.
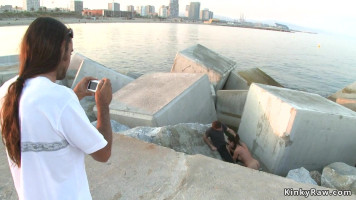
(333, 16)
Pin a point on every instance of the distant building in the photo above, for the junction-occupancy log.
(138, 10)
(76, 6)
(31, 5)
(114, 6)
(147, 10)
(6, 8)
(130, 8)
(187, 11)
(173, 8)
(163, 11)
(151, 10)
(205, 15)
(93, 13)
(194, 9)
(127, 14)
(105, 13)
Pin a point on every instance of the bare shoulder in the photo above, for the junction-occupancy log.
(243, 144)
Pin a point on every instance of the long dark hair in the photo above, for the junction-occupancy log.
(235, 140)
(40, 52)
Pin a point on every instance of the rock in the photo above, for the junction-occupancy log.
(115, 126)
(340, 176)
(316, 176)
(186, 138)
(88, 104)
(301, 175)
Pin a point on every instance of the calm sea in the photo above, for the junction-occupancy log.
(315, 63)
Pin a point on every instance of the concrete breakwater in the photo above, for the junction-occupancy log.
(277, 124)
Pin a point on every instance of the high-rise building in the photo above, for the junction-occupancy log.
(76, 6)
(130, 8)
(163, 11)
(31, 5)
(139, 10)
(173, 8)
(187, 11)
(194, 10)
(205, 15)
(114, 6)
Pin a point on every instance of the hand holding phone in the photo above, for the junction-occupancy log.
(93, 85)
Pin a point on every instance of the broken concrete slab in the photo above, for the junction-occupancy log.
(91, 68)
(9, 60)
(287, 129)
(229, 106)
(140, 170)
(199, 59)
(346, 97)
(160, 99)
(242, 79)
(73, 68)
(8, 72)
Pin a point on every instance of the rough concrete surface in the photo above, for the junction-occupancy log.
(199, 59)
(159, 99)
(91, 68)
(139, 170)
(288, 129)
(229, 106)
(346, 97)
(242, 79)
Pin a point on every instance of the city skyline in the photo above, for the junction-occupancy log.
(333, 16)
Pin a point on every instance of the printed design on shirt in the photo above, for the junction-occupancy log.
(43, 146)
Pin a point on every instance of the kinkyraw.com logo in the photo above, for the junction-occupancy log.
(315, 192)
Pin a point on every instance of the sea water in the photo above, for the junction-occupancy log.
(316, 63)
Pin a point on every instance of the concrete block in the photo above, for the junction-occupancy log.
(199, 59)
(242, 79)
(9, 67)
(9, 60)
(8, 72)
(287, 129)
(346, 97)
(89, 67)
(92, 68)
(159, 99)
(73, 68)
(229, 106)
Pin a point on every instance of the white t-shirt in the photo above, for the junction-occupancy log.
(55, 136)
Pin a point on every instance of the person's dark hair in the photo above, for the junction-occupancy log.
(40, 52)
(216, 124)
(235, 140)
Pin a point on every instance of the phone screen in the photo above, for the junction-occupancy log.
(93, 85)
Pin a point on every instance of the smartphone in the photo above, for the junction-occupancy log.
(93, 85)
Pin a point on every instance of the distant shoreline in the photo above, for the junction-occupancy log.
(66, 20)
(73, 20)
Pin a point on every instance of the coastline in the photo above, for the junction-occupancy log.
(74, 20)
(71, 20)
